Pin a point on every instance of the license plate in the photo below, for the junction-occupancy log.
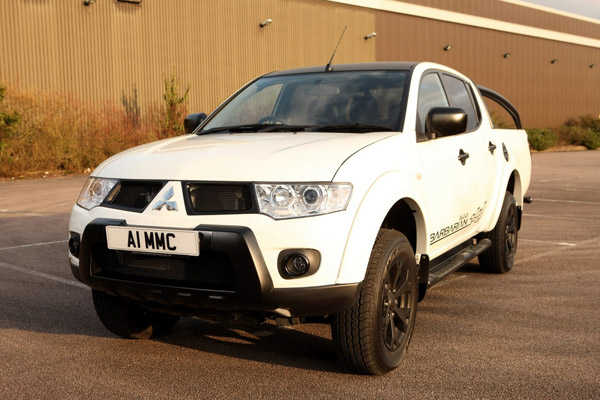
(163, 241)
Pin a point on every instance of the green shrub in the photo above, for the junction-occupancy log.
(541, 139)
(592, 140)
(588, 121)
(579, 135)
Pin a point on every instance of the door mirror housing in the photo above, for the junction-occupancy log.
(192, 121)
(446, 121)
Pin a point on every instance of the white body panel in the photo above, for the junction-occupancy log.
(383, 168)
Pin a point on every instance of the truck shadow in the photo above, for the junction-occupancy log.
(303, 346)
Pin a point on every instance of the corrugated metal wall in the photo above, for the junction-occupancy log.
(544, 93)
(504, 11)
(103, 51)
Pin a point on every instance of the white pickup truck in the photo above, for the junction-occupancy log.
(317, 194)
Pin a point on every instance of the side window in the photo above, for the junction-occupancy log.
(460, 96)
(431, 94)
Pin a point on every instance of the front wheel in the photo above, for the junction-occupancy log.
(127, 319)
(372, 337)
(500, 257)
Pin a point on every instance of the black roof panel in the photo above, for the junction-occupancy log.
(373, 66)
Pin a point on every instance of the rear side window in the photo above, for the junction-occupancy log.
(431, 94)
(460, 96)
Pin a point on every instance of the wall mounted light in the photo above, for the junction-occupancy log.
(266, 22)
(370, 35)
(592, 65)
(448, 47)
(506, 55)
(553, 61)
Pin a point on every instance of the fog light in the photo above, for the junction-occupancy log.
(296, 264)
(74, 244)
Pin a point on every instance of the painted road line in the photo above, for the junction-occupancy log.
(546, 242)
(32, 245)
(43, 275)
(567, 201)
(555, 251)
(563, 218)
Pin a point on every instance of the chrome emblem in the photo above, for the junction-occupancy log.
(171, 205)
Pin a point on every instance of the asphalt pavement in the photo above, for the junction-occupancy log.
(533, 333)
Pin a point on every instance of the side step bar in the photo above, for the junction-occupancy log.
(440, 270)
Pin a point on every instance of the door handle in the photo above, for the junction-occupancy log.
(491, 147)
(462, 156)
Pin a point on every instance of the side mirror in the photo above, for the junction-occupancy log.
(446, 121)
(192, 121)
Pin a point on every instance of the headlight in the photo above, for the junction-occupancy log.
(292, 200)
(94, 192)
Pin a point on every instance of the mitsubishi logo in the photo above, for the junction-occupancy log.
(171, 205)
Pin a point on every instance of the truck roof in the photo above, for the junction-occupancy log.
(372, 66)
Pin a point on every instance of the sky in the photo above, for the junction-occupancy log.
(587, 8)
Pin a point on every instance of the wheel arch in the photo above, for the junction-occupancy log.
(385, 205)
(515, 187)
(511, 183)
(406, 217)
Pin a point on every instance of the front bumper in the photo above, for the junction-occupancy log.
(239, 280)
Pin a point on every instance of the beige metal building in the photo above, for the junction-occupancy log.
(546, 62)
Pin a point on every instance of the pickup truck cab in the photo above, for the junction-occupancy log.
(318, 193)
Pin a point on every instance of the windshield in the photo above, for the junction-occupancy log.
(356, 101)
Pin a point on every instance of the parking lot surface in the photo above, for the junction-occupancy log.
(533, 333)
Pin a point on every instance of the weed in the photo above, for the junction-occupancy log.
(59, 132)
(175, 107)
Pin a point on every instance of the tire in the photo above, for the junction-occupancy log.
(372, 336)
(500, 257)
(127, 319)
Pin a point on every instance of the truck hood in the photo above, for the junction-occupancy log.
(249, 157)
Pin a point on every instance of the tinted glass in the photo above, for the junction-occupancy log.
(460, 97)
(431, 95)
(365, 97)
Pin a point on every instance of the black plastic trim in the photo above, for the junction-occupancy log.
(74, 243)
(108, 204)
(312, 256)
(189, 208)
(253, 285)
(502, 101)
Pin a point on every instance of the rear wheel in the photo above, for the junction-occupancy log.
(372, 336)
(500, 257)
(127, 319)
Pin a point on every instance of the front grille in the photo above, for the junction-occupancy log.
(208, 198)
(133, 195)
(210, 270)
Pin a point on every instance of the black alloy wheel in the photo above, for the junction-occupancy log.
(372, 336)
(396, 304)
(500, 257)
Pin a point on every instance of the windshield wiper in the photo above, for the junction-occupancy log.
(286, 128)
(351, 127)
(235, 128)
(256, 128)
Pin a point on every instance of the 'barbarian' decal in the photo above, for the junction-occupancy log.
(477, 215)
(463, 221)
